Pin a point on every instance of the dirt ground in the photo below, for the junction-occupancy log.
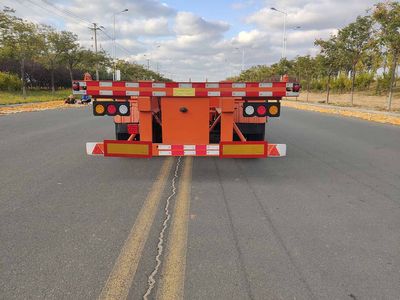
(360, 100)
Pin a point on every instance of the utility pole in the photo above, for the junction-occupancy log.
(95, 28)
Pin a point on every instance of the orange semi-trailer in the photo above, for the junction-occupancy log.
(222, 119)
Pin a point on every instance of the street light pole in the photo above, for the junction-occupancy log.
(242, 67)
(242, 59)
(284, 31)
(114, 48)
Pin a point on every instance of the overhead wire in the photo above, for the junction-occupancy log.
(72, 16)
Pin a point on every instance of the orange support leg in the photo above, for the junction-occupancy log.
(227, 109)
(146, 119)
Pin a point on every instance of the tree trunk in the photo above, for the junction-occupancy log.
(328, 88)
(70, 73)
(392, 79)
(353, 79)
(308, 88)
(52, 81)
(384, 64)
(23, 77)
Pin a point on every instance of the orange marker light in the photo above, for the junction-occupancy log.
(273, 110)
(99, 109)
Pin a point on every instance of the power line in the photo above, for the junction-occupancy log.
(83, 22)
(57, 13)
(70, 13)
(67, 12)
(117, 44)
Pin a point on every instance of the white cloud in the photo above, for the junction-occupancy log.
(184, 45)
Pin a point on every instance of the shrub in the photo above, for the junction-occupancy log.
(9, 82)
(363, 81)
(341, 84)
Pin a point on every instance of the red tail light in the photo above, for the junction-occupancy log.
(296, 87)
(261, 111)
(111, 109)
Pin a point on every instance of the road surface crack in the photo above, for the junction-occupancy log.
(160, 246)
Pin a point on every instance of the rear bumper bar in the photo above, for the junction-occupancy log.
(136, 149)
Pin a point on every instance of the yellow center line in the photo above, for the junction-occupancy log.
(123, 272)
(173, 275)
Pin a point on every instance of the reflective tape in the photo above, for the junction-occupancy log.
(265, 94)
(188, 150)
(265, 84)
(185, 85)
(239, 85)
(132, 93)
(106, 93)
(212, 85)
(132, 84)
(159, 94)
(213, 94)
(158, 85)
(239, 94)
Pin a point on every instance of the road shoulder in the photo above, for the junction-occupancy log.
(369, 115)
(36, 106)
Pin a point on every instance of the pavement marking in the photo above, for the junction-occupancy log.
(123, 272)
(173, 276)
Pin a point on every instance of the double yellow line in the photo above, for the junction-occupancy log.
(172, 282)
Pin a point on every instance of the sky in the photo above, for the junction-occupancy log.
(197, 40)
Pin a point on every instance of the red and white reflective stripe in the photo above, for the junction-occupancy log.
(93, 148)
(188, 150)
(276, 150)
(194, 89)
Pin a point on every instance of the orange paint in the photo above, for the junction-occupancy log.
(185, 120)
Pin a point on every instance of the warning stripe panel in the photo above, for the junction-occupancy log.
(143, 149)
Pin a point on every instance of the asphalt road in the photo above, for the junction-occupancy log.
(322, 223)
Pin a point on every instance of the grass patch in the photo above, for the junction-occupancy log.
(32, 96)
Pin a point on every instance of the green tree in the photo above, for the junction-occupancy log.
(305, 70)
(132, 71)
(355, 39)
(331, 59)
(70, 51)
(19, 40)
(88, 61)
(387, 15)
